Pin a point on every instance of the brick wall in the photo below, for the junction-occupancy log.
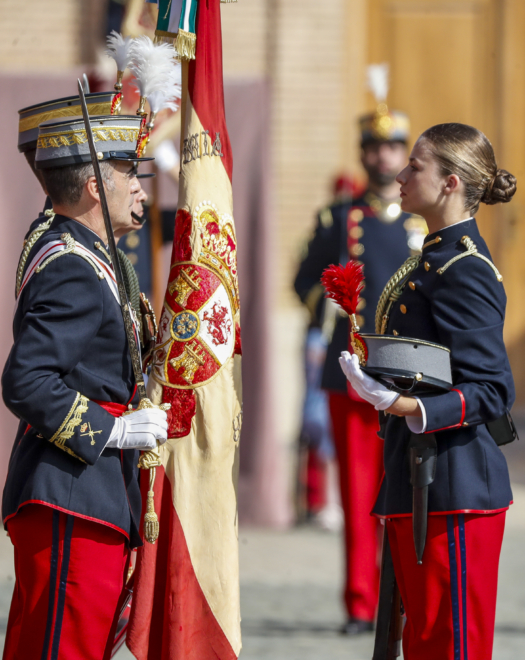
(313, 54)
(302, 46)
(48, 34)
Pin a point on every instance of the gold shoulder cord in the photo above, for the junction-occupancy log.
(472, 251)
(70, 249)
(28, 246)
(392, 291)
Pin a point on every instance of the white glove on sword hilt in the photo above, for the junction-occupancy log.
(368, 389)
(139, 429)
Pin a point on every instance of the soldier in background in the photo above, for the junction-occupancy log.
(373, 230)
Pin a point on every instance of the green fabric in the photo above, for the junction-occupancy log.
(131, 282)
(188, 15)
(169, 16)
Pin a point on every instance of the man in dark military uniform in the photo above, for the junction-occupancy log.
(71, 502)
(373, 230)
(97, 103)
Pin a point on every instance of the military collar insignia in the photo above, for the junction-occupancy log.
(450, 234)
(438, 239)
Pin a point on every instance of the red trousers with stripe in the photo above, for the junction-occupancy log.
(449, 600)
(360, 457)
(69, 578)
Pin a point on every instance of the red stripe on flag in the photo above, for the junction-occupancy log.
(170, 617)
(205, 78)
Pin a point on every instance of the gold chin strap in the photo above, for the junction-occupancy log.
(393, 289)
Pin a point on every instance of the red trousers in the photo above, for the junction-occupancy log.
(360, 457)
(449, 600)
(69, 578)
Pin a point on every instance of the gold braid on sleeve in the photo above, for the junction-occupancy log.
(393, 289)
(69, 425)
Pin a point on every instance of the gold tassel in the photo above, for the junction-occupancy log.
(151, 521)
(165, 38)
(150, 460)
(185, 44)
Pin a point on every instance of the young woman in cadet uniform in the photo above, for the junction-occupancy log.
(454, 296)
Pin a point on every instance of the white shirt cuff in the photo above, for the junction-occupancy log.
(417, 424)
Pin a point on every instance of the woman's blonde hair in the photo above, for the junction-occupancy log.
(463, 150)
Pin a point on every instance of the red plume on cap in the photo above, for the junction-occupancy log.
(343, 284)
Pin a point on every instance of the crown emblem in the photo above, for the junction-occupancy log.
(219, 245)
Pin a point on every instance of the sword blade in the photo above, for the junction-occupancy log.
(134, 348)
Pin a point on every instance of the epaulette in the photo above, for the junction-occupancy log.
(28, 246)
(325, 217)
(71, 247)
(472, 251)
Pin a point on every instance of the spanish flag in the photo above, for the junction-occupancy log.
(186, 593)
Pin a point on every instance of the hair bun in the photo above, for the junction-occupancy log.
(501, 189)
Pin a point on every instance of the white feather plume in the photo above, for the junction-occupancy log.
(119, 49)
(377, 80)
(151, 64)
(171, 92)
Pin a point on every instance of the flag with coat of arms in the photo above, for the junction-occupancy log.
(186, 594)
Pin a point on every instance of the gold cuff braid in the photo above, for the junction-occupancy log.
(70, 423)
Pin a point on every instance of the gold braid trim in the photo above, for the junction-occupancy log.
(70, 249)
(70, 423)
(472, 251)
(28, 246)
(393, 289)
(70, 246)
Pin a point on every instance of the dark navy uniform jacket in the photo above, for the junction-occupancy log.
(382, 246)
(70, 350)
(462, 308)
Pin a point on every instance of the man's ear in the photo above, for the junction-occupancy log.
(92, 189)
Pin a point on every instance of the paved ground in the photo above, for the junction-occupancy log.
(290, 585)
(290, 594)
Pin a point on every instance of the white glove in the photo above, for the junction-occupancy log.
(139, 430)
(368, 389)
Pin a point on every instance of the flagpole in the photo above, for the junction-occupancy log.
(155, 216)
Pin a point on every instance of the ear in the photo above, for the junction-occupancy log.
(91, 189)
(452, 184)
